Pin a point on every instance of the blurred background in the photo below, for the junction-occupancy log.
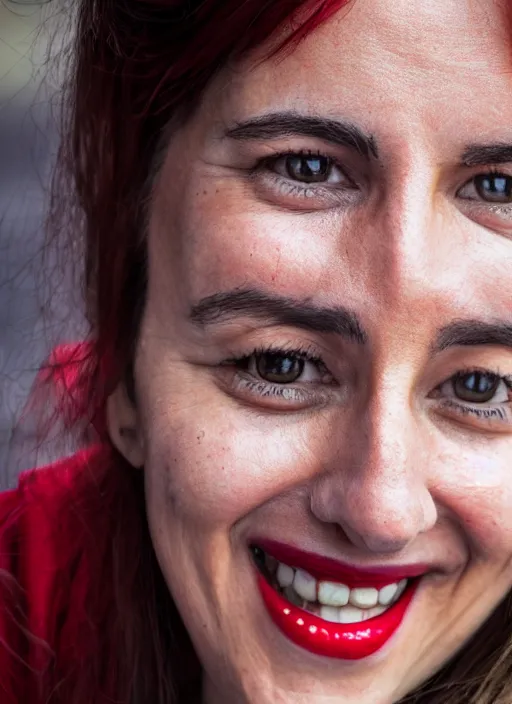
(31, 36)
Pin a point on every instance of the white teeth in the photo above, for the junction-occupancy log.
(292, 596)
(285, 575)
(330, 613)
(364, 598)
(376, 611)
(338, 603)
(332, 594)
(401, 588)
(349, 614)
(305, 585)
(387, 594)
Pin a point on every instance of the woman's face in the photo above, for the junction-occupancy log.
(324, 373)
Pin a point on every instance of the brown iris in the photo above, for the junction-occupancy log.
(279, 368)
(476, 387)
(494, 188)
(308, 169)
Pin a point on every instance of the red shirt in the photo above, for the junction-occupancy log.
(46, 536)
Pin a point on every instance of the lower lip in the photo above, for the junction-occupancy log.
(353, 641)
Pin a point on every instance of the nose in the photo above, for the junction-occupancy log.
(376, 489)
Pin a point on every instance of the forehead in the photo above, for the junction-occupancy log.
(425, 79)
(417, 59)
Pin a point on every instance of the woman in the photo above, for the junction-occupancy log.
(297, 220)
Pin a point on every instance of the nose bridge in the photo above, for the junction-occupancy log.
(386, 484)
(377, 489)
(408, 225)
(379, 493)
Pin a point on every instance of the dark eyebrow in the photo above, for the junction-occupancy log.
(484, 154)
(222, 307)
(226, 306)
(284, 124)
(468, 333)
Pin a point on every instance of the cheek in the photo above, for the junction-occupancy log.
(213, 462)
(474, 488)
(224, 237)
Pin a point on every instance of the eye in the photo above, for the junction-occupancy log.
(309, 168)
(283, 367)
(490, 188)
(477, 387)
(277, 367)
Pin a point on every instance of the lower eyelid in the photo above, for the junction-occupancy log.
(302, 394)
(328, 196)
(497, 412)
(267, 390)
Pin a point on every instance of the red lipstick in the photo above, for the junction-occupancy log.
(328, 570)
(336, 640)
(353, 641)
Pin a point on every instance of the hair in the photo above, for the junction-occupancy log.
(136, 67)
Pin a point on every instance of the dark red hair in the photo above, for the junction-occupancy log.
(135, 66)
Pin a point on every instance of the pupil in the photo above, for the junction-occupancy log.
(476, 387)
(307, 168)
(495, 188)
(279, 368)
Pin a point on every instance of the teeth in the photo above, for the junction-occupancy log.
(338, 603)
(376, 611)
(349, 614)
(292, 596)
(364, 598)
(401, 588)
(285, 575)
(332, 594)
(330, 613)
(305, 585)
(387, 594)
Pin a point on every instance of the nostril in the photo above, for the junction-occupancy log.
(387, 544)
(376, 534)
(373, 511)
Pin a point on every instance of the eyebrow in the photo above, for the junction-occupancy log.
(226, 306)
(483, 154)
(468, 333)
(285, 124)
(229, 305)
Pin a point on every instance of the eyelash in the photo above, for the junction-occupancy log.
(498, 208)
(268, 389)
(489, 412)
(301, 353)
(287, 391)
(289, 187)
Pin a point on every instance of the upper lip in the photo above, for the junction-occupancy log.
(327, 569)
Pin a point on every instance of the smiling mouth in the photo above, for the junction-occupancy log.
(331, 601)
(347, 620)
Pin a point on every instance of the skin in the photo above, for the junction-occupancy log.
(379, 463)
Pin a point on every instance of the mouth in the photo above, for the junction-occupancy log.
(331, 609)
